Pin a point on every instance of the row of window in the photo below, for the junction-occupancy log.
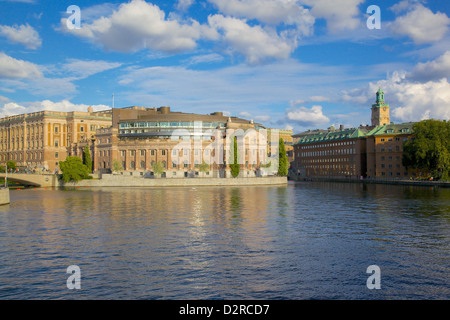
(174, 165)
(396, 139)
(328, 145)
(390, 149)
(175, 124)
(327, 152)
(31, 156)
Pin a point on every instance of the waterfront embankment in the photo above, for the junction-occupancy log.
(443, 184)
(110, 180)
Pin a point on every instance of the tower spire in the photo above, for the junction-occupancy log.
(380, 110)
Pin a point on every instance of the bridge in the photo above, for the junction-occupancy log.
(36, 180)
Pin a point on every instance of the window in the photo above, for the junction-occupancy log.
(132, 153)
(142, 164)
(152, 152)
(56, 129)
(163, 152)
(56, 143)
(133, 165)
(123, 153)
(174, 165)
(142, 152)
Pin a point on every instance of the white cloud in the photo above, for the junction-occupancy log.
(11, 68)
(319, 99)
(419, 23)
(23, 34)
(86, 68)
(305, 117)
(432, 70)
(408, 100)
(340, 15)
(271, 12)
(254, 42)
(139, 25)
(205, 58)
(245, 114)
(184, 4)
(13, 108)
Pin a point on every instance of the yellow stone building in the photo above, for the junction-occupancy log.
(40, 140)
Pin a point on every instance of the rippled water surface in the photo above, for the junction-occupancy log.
(301, 241)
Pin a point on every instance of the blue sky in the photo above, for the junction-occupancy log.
(297, 64)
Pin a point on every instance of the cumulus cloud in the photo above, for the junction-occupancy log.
(139, 25)
(184, 4)
(23, 34)
(419, 23)
(340, 15)
(271, 12)
(11, 68)
(307, 117)
(254, 42)
(13, 108)
(408, 100)
(431, 70)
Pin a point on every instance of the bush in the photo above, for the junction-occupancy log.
(235, 166)
(11, 164)
(74, 170)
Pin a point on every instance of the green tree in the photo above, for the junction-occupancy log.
(11, 165)
(283, 164)
(234, 161)
(158, 168)
(204, 167)
(73, 169)
(87, 161)
(429, 150)
(116, 166)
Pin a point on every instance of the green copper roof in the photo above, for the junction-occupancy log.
(334, 136)
(401, 128)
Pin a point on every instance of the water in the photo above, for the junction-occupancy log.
(301, 241)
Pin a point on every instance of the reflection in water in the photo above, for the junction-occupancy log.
(303, 241)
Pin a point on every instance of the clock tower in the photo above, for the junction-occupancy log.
(380, 111)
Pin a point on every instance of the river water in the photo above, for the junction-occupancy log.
(301, 241)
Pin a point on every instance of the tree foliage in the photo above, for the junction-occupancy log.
(158, 168)
(73, 169)
(87, 160)
(11, 165)
(282, 159)
(116, 166)
(429, 150)
(204, 167)
(234, 162)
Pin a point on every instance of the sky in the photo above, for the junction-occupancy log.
(287, 64)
